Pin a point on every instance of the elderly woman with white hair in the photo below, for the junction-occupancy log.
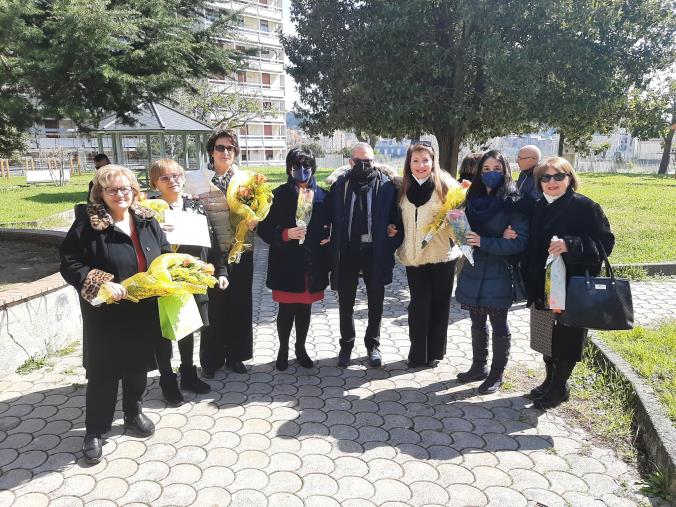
(112, 239)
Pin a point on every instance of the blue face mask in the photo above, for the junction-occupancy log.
(301, 173)
(492, 179)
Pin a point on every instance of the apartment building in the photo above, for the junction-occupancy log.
(263, 138)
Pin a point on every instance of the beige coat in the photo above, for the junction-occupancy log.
(440, 249)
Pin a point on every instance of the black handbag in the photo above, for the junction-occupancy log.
(597, 302)
(518, 285)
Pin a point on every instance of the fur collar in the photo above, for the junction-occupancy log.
(100, 219)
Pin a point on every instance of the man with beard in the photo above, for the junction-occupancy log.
(364, 238)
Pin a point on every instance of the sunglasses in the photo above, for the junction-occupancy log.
(415, 142)
(167, 177)
(544, 178)
(221, 148)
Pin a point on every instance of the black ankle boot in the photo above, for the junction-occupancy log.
(282, 362)
(191, 382)
(170, 391)
(501, 346)
(558, 391)
(302, 357)
(478, 370)
(539, 391)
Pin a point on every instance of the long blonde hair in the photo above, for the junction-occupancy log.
(440, 186)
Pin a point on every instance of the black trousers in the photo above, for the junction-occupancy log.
(430, 286)
(230, 331)
(163, 352)
(350, 267)
(102, 397)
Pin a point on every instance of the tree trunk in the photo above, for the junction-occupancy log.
(562, 140)
(666, 153)
(449, 140)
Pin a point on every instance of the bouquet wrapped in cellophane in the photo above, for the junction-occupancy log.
(459, 224)
(454, 198)
(304, 208)
(159, 206)
(250, 200)
(169, 274)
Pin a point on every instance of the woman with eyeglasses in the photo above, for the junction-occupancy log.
(298, 262)
(168, 177)
(429, 270)
(112, 239)
(228, 340)
(573, 226)
(485, 288)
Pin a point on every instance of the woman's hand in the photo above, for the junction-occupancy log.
(473, 239)
(117, 291)
(296, 232)
(167, 227)
(251, 223)
(392, 230)
(324, 241)
(557, 247)
(223, 282)
(509, 233)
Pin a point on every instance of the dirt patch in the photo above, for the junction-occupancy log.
(24, 262)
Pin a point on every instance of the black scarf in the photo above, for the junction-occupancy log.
(419, 194)
(223, 181)
(480, 209)
(360, 185)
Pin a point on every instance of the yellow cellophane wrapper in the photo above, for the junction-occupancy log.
(249, 197)
(169, 274)
(454, 198)
(159, 206)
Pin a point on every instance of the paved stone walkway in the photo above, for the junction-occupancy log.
(323, 437)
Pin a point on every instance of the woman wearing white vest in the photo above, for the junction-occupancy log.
(429, 270)
(229, 337)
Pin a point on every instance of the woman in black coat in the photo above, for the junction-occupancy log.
(580, 227)
(112, 239)
(298, 262)
(168, 177)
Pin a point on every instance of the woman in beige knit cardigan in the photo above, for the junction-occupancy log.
(429, 270)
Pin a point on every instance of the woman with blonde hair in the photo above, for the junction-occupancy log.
(573, 226)
(112, 239)
(429, 270)
(167, 176)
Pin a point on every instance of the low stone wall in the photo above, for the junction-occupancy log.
(40, 317)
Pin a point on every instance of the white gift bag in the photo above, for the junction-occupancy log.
(555, 282)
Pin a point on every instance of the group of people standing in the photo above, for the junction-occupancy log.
(368, 219)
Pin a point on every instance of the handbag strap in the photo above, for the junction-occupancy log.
(606, 262)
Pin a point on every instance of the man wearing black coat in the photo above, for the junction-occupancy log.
(364, 206)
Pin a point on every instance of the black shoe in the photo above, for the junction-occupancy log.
(476, 372)
(208, 373)
(190, 381)
(170, 391)
(539, 391)
(432, 364)
(236, 366)
(558, 391)
(492, 383)
(344, 357)
(375, 359)
(92, 448)
(139, 424)
(412, 364)
(303, 359)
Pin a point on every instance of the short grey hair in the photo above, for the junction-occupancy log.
(533, 148)
(361, 146)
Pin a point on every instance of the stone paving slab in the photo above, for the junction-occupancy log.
(321, 437)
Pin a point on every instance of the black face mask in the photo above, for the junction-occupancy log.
(362, 169)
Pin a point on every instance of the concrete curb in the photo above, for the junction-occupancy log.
(49, 237)
(656, 429)
(652, 268)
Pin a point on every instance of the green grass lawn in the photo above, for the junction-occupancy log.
(640, 207)
(652, 353)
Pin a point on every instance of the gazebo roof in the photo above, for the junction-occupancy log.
(154, 118)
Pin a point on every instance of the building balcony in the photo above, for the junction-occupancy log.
(258, 37)
(267, 10)
(263, 65)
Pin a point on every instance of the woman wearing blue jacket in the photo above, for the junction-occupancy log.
(485, 288)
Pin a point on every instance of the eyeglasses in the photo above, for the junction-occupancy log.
(166, 177)
(415, 142)
(221, 148)
(544, 178)
(115, 190)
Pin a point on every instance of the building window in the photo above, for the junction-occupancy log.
(267, 130)
(265, 79)
(241, 77)
(269, 155)
(52, 128)
(264, 25)
(267, 105)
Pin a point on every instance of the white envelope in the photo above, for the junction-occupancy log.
(189, 228)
